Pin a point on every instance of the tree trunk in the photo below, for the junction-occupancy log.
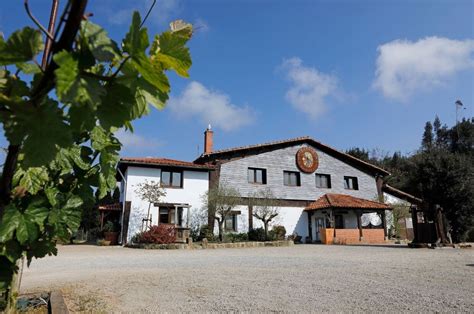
(265, 226)
(221, 230)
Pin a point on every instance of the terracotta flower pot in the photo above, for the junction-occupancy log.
(112, 237)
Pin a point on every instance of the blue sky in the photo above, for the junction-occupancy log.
(348, 73)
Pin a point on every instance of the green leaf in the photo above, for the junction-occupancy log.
(136, 40)
(169, 49)
(71, 87)
(33, 179)
(75, 154)
(46, 132)
(73, 202)
(115, 109)
(152, 96)
(28, 68)
(37, 213)
(151, 73)
(51, 194)
(22, 46)
(26, 230)
(101, 46)
(10, 221)
(82, 117)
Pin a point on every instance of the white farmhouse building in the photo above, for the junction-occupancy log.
(325, 195)
(184, 183)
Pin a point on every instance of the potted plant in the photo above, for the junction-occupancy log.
(111, 232)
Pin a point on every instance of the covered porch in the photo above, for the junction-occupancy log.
(177, 214)
(344, 219)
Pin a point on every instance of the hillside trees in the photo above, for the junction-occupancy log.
(60, 126)
(440, 172)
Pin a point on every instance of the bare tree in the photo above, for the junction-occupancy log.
(220, 201)
(266, 208)
(151, 192)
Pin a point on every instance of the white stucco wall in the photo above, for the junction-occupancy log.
(195, 185)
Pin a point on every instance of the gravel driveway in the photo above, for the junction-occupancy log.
(303, 278)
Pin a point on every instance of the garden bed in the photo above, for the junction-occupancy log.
(203, 245)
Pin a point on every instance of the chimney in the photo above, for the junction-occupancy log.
(208, 134)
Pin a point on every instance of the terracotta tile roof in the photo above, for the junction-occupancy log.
(209, 157)
(344, 201)
(114, 206)
(162, 162)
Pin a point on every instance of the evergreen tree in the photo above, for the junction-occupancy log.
(427, 141)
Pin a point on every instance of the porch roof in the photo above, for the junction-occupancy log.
(344, 201)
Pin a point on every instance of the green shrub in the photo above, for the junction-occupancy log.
(236, 237)
(256, 234)
(205, 232)
(277, 233)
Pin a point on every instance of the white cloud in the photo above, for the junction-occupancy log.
(309, 87)
(405, 67)
(162, 12)
(201, 26)
(134, 143)
(210, 106)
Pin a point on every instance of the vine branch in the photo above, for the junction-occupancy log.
(35, 20)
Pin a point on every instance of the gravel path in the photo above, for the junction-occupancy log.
(303, 278)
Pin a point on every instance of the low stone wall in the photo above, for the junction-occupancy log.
(176, 246)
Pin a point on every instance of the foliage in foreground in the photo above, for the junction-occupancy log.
(60, 126)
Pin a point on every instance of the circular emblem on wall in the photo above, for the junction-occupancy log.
(307, 160)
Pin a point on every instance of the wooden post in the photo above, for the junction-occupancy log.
(414, 218)
(126, 219)
(384, 225)
(333, 223)
(310, 231)
(359, 224)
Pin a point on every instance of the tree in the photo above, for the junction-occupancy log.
(266, 208)
(427, 140)
(220, 201)
(360, 153)
(151, 192)
(60, 126)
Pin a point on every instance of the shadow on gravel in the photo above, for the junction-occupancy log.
(472, 265)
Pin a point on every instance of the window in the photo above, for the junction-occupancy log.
(323, 181)
(257, 176)
(164, 216)
(230, 223)
(291, 178)
(167, 215)
(350, 183)
(172, 179)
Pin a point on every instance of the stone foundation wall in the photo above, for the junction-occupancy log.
(176, 246)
